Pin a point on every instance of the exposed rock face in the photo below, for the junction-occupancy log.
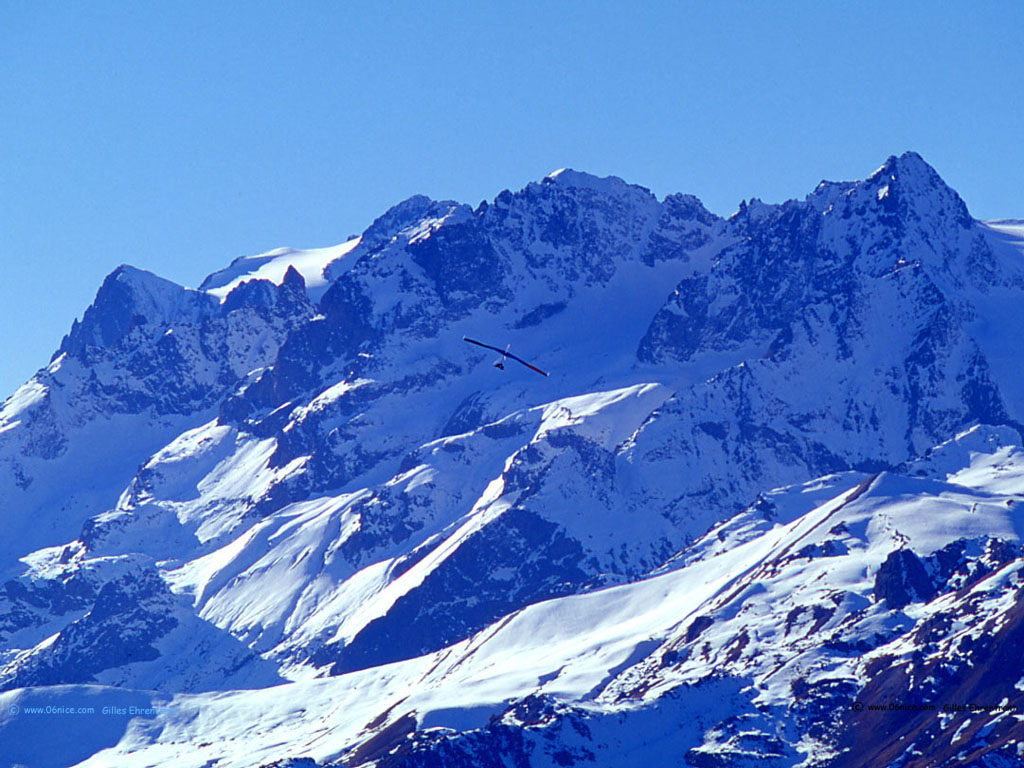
(902, 580)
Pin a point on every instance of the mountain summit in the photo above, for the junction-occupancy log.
(772, 481)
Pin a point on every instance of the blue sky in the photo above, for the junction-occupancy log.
(177, 136)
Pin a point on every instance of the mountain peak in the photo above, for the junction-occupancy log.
(904, 190)
(607, 185)
(398, 217)
(909, 184)
(129, 296)
(911, 169)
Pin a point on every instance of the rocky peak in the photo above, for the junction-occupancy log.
(903, 214)
(402, 216)
(130, 297)
(902, 580)
(567, 178)
(288, 299)
(909, 187)
(689, 208)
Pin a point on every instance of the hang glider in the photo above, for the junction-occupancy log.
(504, 353)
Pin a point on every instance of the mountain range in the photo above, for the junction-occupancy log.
(765, 510)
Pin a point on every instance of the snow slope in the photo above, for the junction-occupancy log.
(273, 265)
(738, 634)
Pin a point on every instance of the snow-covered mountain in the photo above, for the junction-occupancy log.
(772, 482)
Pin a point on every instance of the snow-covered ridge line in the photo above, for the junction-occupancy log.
(273, 265)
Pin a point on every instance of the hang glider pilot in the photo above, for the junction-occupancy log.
(500, 362)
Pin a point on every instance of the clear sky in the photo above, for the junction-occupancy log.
(175, 136)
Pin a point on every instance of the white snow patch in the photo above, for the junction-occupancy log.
(273, 265)
(24, 397)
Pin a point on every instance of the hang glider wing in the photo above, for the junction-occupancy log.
(531, 367)
(481, 344)
(505, 353)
